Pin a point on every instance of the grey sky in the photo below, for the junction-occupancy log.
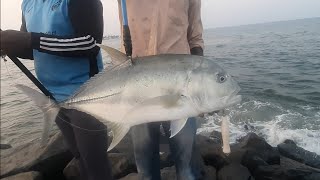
(215, 13)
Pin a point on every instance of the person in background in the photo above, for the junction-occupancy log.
(61, 36)
(165, 27)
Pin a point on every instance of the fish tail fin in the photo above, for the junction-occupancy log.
(49, 107)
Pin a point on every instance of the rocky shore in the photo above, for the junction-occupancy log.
(251, 158)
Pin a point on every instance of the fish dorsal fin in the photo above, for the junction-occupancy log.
(121, 61)
(117, 57)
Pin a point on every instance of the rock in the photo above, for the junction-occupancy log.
(216, 137)
(122, 164)
(168, 173)
(211, 152)
(49, 160)
(251, 160)
(289, 141)
(313, 176)
(234, 171)
(259, 146)
(72, 170)
(125, 145)
(33, 175)
(292, 151)
(166, 160)
(288, 169)
(5, 146)
(132, 176)
(210, 173)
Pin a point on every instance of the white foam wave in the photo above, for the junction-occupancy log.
(280, 126)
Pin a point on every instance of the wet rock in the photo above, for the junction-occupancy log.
(259, 146)
(289, 141)
(132, 176)
(33, 175)
(72, 170)
(168, 173)
(216, 137)
(125, 145)
(122, 164)
(210, 173)
(251, 160)
(288, 169)
(234, 171)
(211, 152)
(5, 146)
(49, 160)
(291, 150)
(166, 160)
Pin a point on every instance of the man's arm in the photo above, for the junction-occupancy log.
(24, 53)
(195, 28)
(87, 20)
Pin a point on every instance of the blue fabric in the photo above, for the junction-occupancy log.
(62, 76)
(145, 140)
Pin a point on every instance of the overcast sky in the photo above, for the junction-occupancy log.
(215, 13)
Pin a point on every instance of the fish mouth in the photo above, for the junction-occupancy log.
(233, 98)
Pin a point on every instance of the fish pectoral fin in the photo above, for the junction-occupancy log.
(154, 106)
(118, 58)
(164, 101)
(176, 126)
(119, 130)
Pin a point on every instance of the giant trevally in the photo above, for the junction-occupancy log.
(168, 87)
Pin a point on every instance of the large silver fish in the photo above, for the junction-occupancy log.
(167, 87)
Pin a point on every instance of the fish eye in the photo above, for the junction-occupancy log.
(221, 78)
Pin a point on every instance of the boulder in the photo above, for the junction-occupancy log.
(291, 150)
(5, 146)
(288, 169)
(122, 164)
(48, 160)
(72, 170)
(211, 152)
(234, 171)
(251, 160)
(132, 176)
(260, 147)
(33, 175)
(169, 173)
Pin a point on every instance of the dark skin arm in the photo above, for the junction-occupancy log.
(17, 43)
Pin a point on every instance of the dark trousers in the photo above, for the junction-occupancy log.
(87, 139)
(188, 162)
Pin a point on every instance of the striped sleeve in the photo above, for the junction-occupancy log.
(65, 46)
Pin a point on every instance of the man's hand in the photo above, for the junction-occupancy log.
(13, 42)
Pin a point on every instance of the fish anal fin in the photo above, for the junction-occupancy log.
(176, 126)
(119, 130)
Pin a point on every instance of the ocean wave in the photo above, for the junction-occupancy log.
(279, 126)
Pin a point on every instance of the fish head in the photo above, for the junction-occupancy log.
(212, 88)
